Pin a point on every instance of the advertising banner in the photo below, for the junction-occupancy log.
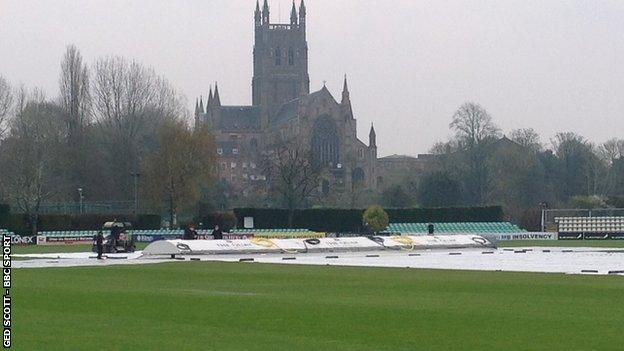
(63, 240)
(570, 236)
(529, 236)
(23, 240)
(617, 236)
(596, 236)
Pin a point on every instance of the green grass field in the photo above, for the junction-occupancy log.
(225, 306)
(512, 243)
(28, 249)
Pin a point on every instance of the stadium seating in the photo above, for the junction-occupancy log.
(455, 228)
(5, 232)
(590, 224)
(269, 233)
(91, 233)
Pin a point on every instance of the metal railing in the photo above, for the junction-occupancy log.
(104, 207)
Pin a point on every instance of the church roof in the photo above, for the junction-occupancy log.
(239, 118)
(290, 109)
(286, 112)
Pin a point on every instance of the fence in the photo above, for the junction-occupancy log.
(74, 208)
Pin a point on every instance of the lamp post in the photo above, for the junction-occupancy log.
(136, 176)
(544, 206)
(81, 197)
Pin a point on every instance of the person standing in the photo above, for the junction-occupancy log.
(99, 243)
(217, 234)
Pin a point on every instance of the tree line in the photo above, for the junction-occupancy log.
(479, 166)
(115, 124)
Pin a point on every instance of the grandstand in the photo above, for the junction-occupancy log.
(590, 227)
(455, 228)
(550, 217)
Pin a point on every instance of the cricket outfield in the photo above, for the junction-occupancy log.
(250, 306)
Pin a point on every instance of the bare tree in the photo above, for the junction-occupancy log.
(580, 168)
(122, 93)
(130, 103)
(74, 92)
(293, 174)
(528, 138)
(74, 99)
(611, 150)
(31, 156)
(473, 124)
(473, 127)
(6, 104)
(444, 147)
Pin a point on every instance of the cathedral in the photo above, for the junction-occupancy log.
(284, 108)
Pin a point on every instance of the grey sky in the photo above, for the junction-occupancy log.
(551, 65)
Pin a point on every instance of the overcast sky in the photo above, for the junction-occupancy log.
(551, 65)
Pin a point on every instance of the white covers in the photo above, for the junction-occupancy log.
(262, 245)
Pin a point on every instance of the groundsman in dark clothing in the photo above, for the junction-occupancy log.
(217, 234)
(99, 243)
(190, 233)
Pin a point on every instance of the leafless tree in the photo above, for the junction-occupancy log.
(528, 138)
(31, 156)
(473, 125)
(293, 175)
(130, 103)
(74, 99)
(74, 92)
(611, 150)
(6, 104)
(444, 147)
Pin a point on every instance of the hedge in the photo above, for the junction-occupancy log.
(350, 220)
(225, 220)
(19, 223)
(5, 210)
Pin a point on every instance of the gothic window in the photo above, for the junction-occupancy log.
(291, 56)
(325, 187)
(357, 177)
(278, 56)
(325, 142)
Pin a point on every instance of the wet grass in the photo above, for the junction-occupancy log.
(29, 249)
(247, 306)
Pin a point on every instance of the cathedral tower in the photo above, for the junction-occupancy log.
(280, 60)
